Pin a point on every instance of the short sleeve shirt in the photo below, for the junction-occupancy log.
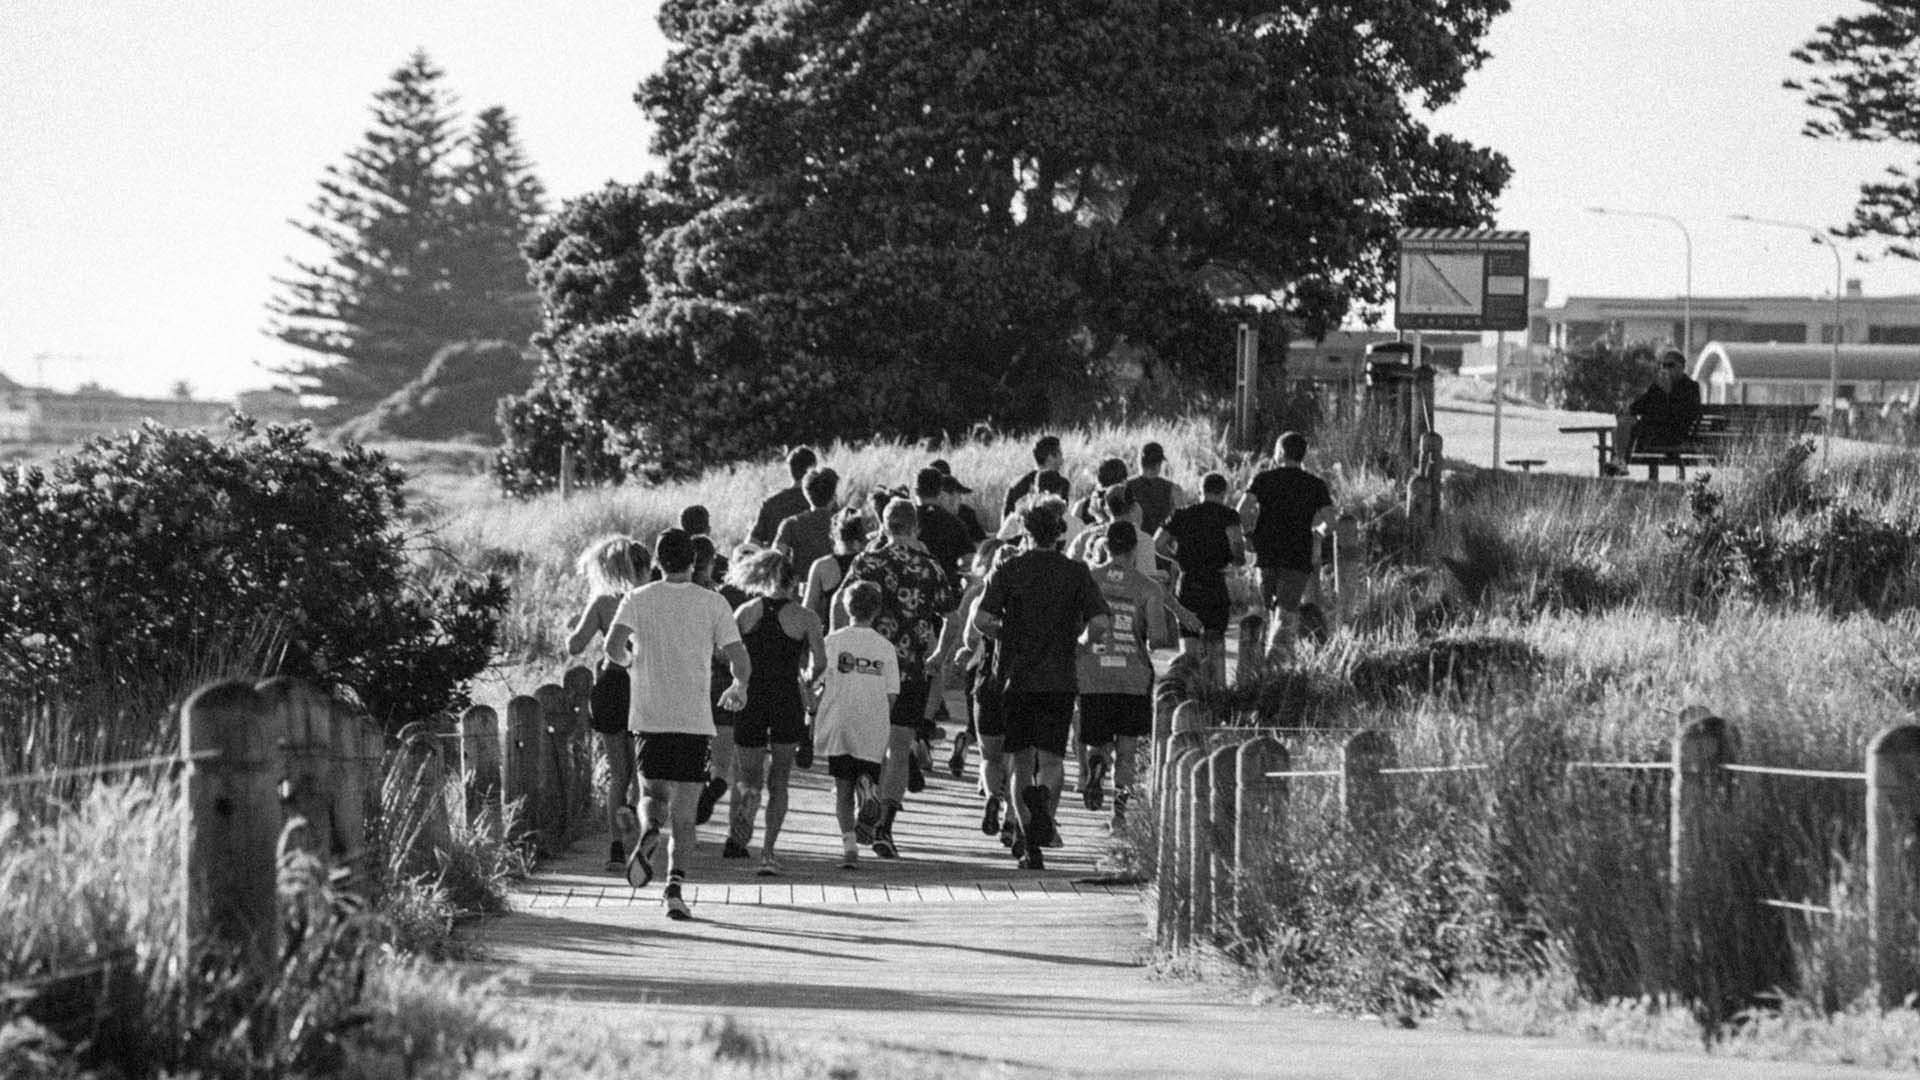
(1047, 481)
(677, 627)
(862, 669)
(946, 538)
(1201, 532)
(779, 506)
(1155, 494)
(1043, 600)
(1289, 498)
(915, 597)
(1117, 661)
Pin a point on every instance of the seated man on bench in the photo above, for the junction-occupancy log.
(1663, 415)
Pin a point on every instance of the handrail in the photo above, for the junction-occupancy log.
(1807, 774)
(74, 771)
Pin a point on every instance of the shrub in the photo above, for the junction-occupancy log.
(140, 549)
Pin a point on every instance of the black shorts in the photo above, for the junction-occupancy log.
(1104, 716)
(1282, 587)
(910, 708)
(673, 756)
(1207, 597)
(848, 767)
(989, 712)
(756, 728)
(1038, 722)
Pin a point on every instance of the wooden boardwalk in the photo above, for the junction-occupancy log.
(952, 949)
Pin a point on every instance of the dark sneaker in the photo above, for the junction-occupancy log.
(916, 778)
(990, 819)
(883, 845)
(677, 909)
(703, 811)
(616, 857)
(1031, 859)
(850, 859)
(733, 849)
(1094, 792)
(1009, 831)
(803, 754)
(957, 762)
(1040, 828)
(640, 859)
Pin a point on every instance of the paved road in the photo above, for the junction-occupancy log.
(952, 949)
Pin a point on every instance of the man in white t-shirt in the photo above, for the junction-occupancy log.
(667, 633)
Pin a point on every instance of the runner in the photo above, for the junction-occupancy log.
(695, 523)
(1116, 671)
(860, 684)
(953, 487)
(808, 536)
(786, 502)
(1036, 606)
(1158, 497)
(721, 755)
(1205, 539)
(779, 633)
(989, 718)
(1090, 509)
(825, 576)
(613, 567)
(1284, 510)
(666, 633)
(1045, 478)
(915, 596)
(952, 655)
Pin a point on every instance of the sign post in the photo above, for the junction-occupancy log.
(1465, 279)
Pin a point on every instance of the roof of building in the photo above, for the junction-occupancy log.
(1858, 363)
(1728, 305)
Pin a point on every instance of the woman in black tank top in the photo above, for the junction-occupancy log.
(828, 572)
(781, 636)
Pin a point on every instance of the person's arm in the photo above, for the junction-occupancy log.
(1324, 520)
(594, 619)
(783, 538)
(986, 615)
(1165, 546)
(1249, 510)
(816, 649)
(734, 698)
(620, 633)
(1093, 608)
(814, 596)
(1181, 613)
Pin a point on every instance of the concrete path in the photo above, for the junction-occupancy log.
(952, 949)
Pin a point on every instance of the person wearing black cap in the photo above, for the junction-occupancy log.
(1663, 414)
(946, 539)
(786, 502)
(968, 517)
(1157, 496)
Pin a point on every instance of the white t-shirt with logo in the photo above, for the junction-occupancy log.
(677, 628)
(862, 669)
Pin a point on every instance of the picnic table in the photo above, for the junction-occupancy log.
(1602, 442)
(1720, 430)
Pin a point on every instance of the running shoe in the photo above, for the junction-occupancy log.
(1094, 792)
(616, 857)
(1009, 831)
(770, 866)
(640, 859)
(803, 754)
(677, 908)
(709, 796)
(1040, 828)
(957, 762)
(1031, 859)
(990, 819)
(850, 859)
(733, 849)
(916, 778)
(883, 845)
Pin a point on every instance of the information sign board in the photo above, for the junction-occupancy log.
(1462, 279)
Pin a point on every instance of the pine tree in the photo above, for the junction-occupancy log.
(420, 227)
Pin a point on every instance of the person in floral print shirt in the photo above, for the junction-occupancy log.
(916, 597)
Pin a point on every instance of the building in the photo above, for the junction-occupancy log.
(1767, 374)
(33, 414)
(1582, 321)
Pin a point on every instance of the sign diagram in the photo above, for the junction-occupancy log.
(1462, 279)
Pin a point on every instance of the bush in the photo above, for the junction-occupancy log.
(1600, 379)
(137, 550)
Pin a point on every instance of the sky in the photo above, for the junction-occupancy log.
(153, 154)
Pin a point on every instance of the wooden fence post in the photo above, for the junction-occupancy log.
(1260, 810)
(1253, 650)
(1365, 795)
(1176, 879)
(1223, 804)
(1893, 834)
(578, 683)
(480, 761)
(308, 785)
(556, 728)
(233, 822)
(1166, 701)
(420, 773)
(1188, 719)
(1702, 745)
(524, 749)
(1199, 858)
(353, 740)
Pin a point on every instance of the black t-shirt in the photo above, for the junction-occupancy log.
(946, 539)
(1155, 496)
(1044, 601)
(1201, 532)
(1289, 498)
(1046, 480)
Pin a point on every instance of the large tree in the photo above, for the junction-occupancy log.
(908, 216)
(418, 230)
(1865, 87)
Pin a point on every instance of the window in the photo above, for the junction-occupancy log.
(1784, 333)
(1893, 335)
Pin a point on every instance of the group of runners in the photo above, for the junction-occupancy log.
(836, 631)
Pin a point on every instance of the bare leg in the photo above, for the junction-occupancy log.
(1126, 749)
(1026, 768)
(749, 769)
(1051, 773)
(779, 770)
(620, 775)
(893, 776)
(681, 800)
(843, 809)
(654, 804)
(993, 764)
(721, 755)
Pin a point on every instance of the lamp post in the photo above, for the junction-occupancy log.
(1833, 364)
(1686, 317)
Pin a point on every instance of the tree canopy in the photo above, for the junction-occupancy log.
(1865, 87)
(420, 229)
(908, 216)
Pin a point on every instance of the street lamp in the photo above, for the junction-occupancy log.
(1686, 325)
(1833, 365)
